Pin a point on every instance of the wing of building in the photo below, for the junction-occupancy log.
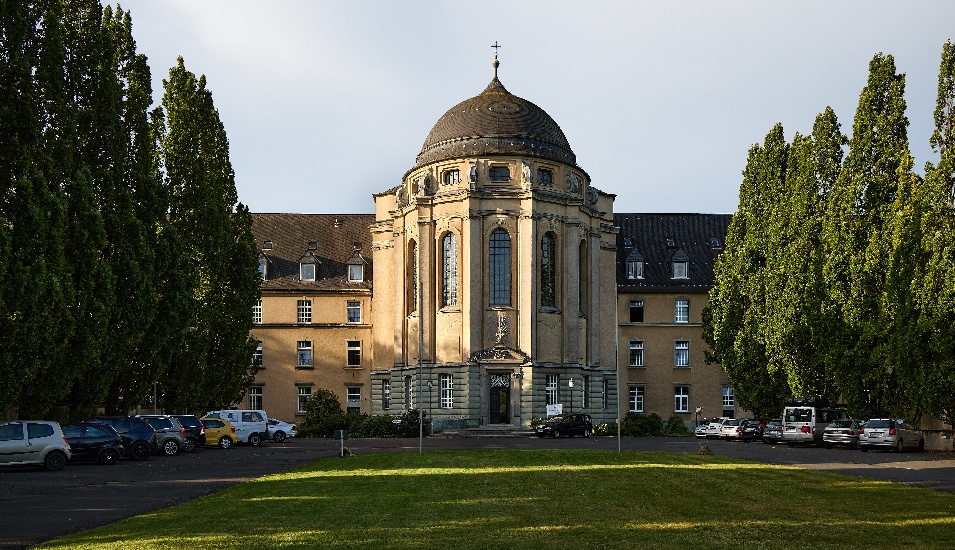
(488, 288)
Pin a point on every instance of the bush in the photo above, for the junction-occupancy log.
(676, 426)
(606, 429)
(640, 424)
(323, 415)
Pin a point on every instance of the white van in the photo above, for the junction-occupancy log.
(250, 425)
(804, 421)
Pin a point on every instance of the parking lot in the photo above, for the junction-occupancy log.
(37, 505)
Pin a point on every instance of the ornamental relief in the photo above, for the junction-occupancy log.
(500, 380)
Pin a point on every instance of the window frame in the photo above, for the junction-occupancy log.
(729, 398)
(499, 174)
(548, 268)
(681, 310)
(304, 311)
(352, 306)
(637, 403)
(449, 269)
(637, 305)
(353, 350)
(447, 391)
(451, 176)
(681, 398)
(499, 268)
(305, 361)
(681, 351)
(257, 312)
(257, 356)
(356, 273)
(302, 391)
(386, 395)
(307, 271)
(547, 180)
(255, 398)
(637, 355)
(551, 389)
(680, 270)
(635, 269)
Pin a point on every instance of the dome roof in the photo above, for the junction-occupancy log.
(495, 122)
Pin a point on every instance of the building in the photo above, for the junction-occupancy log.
(486, 287)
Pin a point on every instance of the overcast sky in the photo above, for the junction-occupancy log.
(326, 103)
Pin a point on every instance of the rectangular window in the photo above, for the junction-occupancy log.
(255, 398)
(604, 392)
(409, 393)
(451, 177)
(551, 389)
(356, 273)
(304, 311)
(636, 311)
(306, 272)
(305, 353)
(586, 390)
(354, 353)
(304, 394)
(681, 353)
(729, 401)
(386, 394)
(636, 353)
(446, 391)
(682, 314)
(257, 312)
(257, 357)
(680, 270)
(354, 312)
(634, 269)
(499, 173)
(636, 399)
(681, 399)
(353, 399)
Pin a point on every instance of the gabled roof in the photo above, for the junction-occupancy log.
(664, 238)
(334, 236)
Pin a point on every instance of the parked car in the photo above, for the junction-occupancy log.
(569, 425)
(804, 420)
(38, 442)
(279, 431)
(773, 431)
(710, 429)
(219, 432)
(139, 438)
(752, 429)
(890, 433)
(195, 433)
(250, 425)
(842, 432)
(731, 428)
(93, 442)
(169, 432)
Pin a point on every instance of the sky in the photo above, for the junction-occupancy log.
(327, 103)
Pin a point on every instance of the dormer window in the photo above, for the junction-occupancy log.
(356, 265)
(499, 173)
(680, 263)
(635, 265)
(263, 266)
(308, 267)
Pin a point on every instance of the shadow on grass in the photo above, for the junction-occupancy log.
(544, 499)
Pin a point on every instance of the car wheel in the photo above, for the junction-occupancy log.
(170, 447)
(109, 457)
(255, 440)
(278, 436)
(921, 446)
(190, 445)
(586, 433)
(140, 450)
(899, 445)
(54, 461)
(553, 434)
(225, 442)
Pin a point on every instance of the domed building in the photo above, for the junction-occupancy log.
(494, 280)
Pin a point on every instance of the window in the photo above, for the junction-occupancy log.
(545, 177)
(263, 266)
(257, 312)
(636, 353)
(305, 353)
(446, 391)
(604, 392)
(729, 401)
(449, 270)
(682, 311)
(500, 266)
(304, 311)
(499, 173)
(451, 177)
(582, 277)
(354, 312)
(634, 269)
(413, 276)
(681, 399)
(548, 272)
(257, 357)
(356, 273)
(551, 389)
(306, 271)
(304, 394)
(636, 311)
(586, 390)
(354, 353)
(409, 393)
(681, 356)
(680, 270)
(636, 399)
(353, 399)
(255, 398)
(386, 394)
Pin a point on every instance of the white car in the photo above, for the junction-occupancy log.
(37, 442)
(279, 431)
(710, 429)
(251, 426)
(731, 428)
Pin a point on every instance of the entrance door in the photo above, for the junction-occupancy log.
(500, 401)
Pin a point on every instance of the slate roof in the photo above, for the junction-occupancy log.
(335, 238)
(663, 238)
(495, 122)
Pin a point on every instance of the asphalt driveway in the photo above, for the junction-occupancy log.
(36, 505)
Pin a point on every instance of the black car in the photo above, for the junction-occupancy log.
(139, 438)
(195, 432)
(94, 442)
(752, 430)
(570, 425)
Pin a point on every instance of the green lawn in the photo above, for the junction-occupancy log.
(544, 499)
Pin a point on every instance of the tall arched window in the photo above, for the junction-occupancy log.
(582, 272)
(500, 268)
(548, 271)
(449, 270)
(413, 277)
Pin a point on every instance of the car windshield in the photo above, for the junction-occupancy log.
(879, 424)
(799, 415)
(841, 423)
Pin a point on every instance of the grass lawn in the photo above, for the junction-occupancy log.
(544, 499)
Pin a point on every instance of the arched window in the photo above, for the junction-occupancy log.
(548, 271)
(413, 277)
(500, 268)
(582, 277)
(449, 270)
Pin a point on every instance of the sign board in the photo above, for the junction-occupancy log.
(341, 434)
(555, 410)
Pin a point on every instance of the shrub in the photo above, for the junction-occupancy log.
(641, 424)
(323, 415)
(676, 426)
(606, 429)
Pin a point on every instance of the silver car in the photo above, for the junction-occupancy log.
(890, 433)
(39, 442)
(842, 432)
(169, 432)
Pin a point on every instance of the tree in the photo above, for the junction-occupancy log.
(213, 369)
